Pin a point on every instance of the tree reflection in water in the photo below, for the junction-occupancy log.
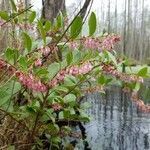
(117, 124)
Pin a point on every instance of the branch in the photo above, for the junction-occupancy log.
(84, 8)
(17, 15)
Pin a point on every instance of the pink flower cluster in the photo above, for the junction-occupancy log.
(3, 64)
(73, 45)
(56, 106)
(38, 62)
(122, 76)
(30, 82)
(91, 43)
(74, 71)
(140, 104)
(101, 44)
(109, 41)
(45, 51)
(48, 50)
(6, 67)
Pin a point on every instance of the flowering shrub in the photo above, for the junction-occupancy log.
(42, 81)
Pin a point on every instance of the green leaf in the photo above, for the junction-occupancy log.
(13, 5)
(137, 87)
(70, 98)
(111, 57)
(32, 16)
(42, 72)
(143, 72)
(61, 115)
(92, 24)
(76, 56)
(42, 31)
(108, 80)
(76, 27)
(69, 58)
(53, 128)
(62, 89)
(23, 62)
(47, 26)
(101, 80)
(9, 54)
(70, 81)
(4, 96)
(56, 140)
(6, 92)
(4, 15)
(27, 41)
(53, 69)
(85, 105)
(59, 20)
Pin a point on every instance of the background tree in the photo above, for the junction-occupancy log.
(4, 39)
(51, 8)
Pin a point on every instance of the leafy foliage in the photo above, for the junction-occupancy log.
(46, 81)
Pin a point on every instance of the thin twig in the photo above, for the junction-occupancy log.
(16, 15)
(38, 115)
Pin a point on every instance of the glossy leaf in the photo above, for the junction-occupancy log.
(27, 41)
(9, 54)
(42, 31)
(143, 72)
(101, 80)
(23, 62)
(4, 15)
(92, 24)
(53, 69)
(59, 20)
(47, 26)
(32, 16)
(70, 98)
(42, 72)
(76, 27)
(69, 58)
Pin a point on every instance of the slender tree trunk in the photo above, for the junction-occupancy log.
(4, 38)
(116, 16)
(27, 3)
(124, 33)
(124, 30)
(129, 37)
(51, 8)
(109, 21)
(135, 29)
(84, 8)
(142, 33)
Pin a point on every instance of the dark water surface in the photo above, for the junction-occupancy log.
(116, 123)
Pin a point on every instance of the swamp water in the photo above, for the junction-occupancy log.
(116, 123)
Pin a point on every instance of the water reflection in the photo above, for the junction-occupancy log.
(117, 124)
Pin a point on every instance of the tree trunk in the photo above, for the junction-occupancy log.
(84, 8)
(124, 34)
(27, 3)
(109, 21)
(116, 17)
(4, 39)
(51, 8)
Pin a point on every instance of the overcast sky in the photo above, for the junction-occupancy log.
(97, 4)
